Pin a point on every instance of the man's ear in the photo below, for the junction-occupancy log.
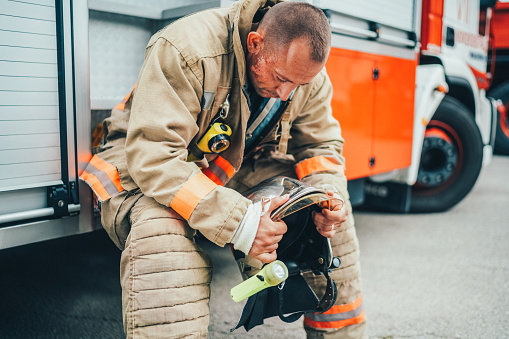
(254, 42)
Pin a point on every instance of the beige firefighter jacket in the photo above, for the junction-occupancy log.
(190, 67)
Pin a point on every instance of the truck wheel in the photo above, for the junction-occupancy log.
(451, 159)
(502, 135)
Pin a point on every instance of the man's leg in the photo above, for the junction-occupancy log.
(165, 276)
(346, 319)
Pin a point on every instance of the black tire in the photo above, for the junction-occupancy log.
(502, 135)
(451, 159)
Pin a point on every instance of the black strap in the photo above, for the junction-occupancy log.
(327, 301)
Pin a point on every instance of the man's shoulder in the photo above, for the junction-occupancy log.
(200, 35)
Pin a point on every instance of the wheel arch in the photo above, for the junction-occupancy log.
(460, 79)
(460, 89)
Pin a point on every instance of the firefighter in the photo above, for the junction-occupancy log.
(256, 91)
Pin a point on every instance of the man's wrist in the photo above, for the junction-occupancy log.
(245, 234)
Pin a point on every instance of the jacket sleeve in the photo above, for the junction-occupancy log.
(166, 106)
(316, 141)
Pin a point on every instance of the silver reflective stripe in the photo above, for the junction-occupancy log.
(219, 172)
(261, 116)
(104, 179)
(335, 317)
(208, 99)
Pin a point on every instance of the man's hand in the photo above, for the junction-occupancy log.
(269, 234)
(329, 221)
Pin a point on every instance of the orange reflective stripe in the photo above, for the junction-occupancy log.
(345, 308)
(212, 176)
(109, 169)
(191, 193)
(96, 185)
(225, 165)
(338, 316)
(317, 164)
(336, 324)
(121, 105)
(219, 171)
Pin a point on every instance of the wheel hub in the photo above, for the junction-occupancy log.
(438, 160)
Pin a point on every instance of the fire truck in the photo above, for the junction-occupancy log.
(409, 78)
(410, 84)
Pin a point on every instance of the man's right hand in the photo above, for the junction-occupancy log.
(269, 234)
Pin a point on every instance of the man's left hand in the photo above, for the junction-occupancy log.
(328, 221)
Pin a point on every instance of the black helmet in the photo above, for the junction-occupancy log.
(302, 249)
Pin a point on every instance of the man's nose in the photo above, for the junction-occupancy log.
(284, 90)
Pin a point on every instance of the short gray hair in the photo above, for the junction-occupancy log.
(287, 21)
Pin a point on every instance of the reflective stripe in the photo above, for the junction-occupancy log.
(102, 178)
(212, 176)
(121, 105)
(219, 171)
(261, 116)
(96, 185)
(191, 193)
(338, 316)
(317, 164)
(108, 169)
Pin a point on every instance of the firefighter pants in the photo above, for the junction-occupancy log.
(165, 276)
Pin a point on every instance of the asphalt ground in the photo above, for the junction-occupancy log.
(443, 275)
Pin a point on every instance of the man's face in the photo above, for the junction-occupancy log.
(276, 73)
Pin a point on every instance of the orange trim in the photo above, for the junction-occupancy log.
(437, 133)
(336, 324)
(442, 89)
(121, 105)
(110, 170)
(481, 78)
(317, 164)
(345, 308)
(96, 185)
(212, 176)
(225, 165)
(191, 193)
(499, 28)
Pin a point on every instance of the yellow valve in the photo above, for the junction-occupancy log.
(270, 275)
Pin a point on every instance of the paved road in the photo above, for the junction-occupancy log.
(440, 275)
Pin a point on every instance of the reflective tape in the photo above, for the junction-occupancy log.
(219, 171)
(103, 178)
(191, 193)
(317, 164)
(338, 316)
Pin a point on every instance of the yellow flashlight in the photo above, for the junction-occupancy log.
(270, 275)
